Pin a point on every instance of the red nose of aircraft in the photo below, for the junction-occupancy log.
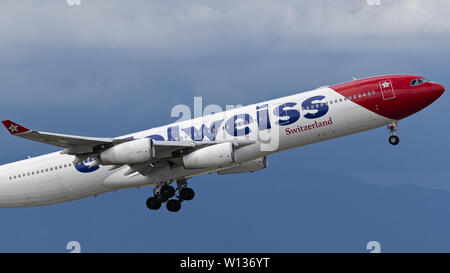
(435, 91)
(423, 97)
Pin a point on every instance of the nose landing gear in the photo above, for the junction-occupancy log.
(164, 192)
(392, 127)
(394, 140)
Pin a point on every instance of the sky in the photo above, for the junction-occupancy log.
(107, 68)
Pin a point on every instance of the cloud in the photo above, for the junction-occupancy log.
(114, 52)
(185, 28)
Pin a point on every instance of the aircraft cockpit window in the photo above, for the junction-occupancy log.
(418, 81)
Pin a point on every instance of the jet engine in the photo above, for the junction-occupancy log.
(215, 156)
(131, 152)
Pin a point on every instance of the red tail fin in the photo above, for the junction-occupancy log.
(14, 128)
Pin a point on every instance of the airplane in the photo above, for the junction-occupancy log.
(230, 142)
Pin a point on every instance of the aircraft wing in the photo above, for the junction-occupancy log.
(84, 147)
(73, 144)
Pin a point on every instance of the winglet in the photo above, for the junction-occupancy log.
(14, 128)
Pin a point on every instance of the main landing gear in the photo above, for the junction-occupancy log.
(164, 192)
(392, 127)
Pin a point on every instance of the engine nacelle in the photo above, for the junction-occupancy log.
(250, 166)
(215, 156)
(135, 151)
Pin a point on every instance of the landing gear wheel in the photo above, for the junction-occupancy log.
(167, 191)
(187, 194)
(163, 199)
(394, 140)
(153, 203)
(173, 205)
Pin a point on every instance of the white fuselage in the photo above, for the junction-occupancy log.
(53, 178)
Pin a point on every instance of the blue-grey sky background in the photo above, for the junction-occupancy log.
(109, 67)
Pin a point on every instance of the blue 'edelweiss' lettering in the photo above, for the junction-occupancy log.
(233, 126)
(286, 116)
(173, 133)
(238, 125)
(84, 166)
(322, 108)
(156, 137)
(210, 132)
(262, 115)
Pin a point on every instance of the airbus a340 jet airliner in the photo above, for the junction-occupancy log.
(230, 142)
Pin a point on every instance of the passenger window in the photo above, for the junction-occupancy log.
(373, 92)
